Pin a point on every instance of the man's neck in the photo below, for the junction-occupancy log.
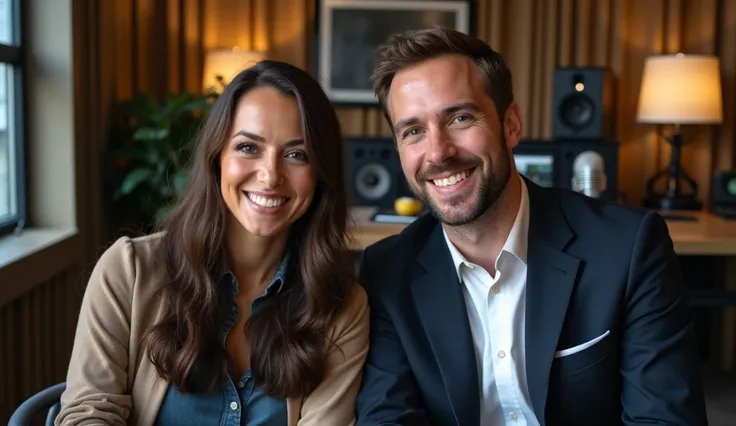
(482, 240)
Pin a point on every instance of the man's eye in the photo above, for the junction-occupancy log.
(411, 132)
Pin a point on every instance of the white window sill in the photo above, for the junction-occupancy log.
(34, 256)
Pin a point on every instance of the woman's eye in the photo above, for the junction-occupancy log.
(247, 148)
(298, 155)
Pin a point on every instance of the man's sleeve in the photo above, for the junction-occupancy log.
(388, 395)
(659, 362)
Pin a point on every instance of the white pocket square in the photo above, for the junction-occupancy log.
(581, 347)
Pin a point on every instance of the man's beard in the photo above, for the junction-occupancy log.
(490, 189)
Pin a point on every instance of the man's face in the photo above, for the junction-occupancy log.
(454, 150)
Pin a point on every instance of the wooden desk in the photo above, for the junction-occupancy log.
(709, 235)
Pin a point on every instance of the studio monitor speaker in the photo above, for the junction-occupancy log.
(583, 103)
(374, 175)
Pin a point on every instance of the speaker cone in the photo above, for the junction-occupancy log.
(373, 181)
(576, 111)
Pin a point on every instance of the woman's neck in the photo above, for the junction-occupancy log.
(254, 260)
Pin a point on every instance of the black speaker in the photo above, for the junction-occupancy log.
(583, 103)
(723, 201)
(374, 175)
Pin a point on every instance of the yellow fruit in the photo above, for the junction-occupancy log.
(408, 206)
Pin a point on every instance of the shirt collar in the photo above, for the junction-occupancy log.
(277, 282)
(516, 242)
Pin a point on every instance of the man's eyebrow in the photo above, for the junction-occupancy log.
(406, 122)
(468, 106)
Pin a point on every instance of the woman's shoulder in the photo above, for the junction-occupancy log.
(355, 312)
(127, 261)
(131, 249)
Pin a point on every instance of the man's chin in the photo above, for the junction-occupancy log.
(456, 214)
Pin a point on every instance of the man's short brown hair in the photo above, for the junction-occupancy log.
(411, 47)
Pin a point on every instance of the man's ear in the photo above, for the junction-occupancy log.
(513, 125)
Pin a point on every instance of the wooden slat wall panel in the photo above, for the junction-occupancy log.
(36, 337)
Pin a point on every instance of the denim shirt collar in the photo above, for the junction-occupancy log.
(275, 286)
(229, 287)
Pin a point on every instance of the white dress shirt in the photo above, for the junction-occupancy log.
(496, 308)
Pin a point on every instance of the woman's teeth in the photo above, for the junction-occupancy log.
(266, 202)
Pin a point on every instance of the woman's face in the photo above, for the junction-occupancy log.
(266, 179)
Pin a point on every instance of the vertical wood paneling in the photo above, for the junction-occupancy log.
(36, 338)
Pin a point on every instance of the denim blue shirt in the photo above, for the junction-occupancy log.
(236, 402)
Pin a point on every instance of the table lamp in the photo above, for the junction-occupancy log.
(678, 90)
(221, 65)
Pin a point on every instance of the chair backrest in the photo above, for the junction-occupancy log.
(36, 404)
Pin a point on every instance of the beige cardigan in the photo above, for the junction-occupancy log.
(112, 382)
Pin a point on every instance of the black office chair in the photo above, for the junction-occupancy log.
(36, 404)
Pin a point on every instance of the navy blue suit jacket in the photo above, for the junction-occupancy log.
(592, 267)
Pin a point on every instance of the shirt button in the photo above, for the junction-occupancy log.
(501, 354)
(495, 290)
(513, 416)
(241, 385)
(234, 405)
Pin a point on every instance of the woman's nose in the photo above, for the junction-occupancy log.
(269, 173)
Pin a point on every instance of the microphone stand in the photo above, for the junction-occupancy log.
(675, 197)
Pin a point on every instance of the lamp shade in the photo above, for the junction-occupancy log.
(681, 89)
(226, 63)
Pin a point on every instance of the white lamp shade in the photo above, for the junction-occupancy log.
(226, 63)
(681, 89)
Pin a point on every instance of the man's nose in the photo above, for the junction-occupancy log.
(439, 146)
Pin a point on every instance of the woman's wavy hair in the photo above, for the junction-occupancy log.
(288, 334)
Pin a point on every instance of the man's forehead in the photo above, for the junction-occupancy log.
(434, 85)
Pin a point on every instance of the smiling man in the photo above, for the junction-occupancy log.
(511, 304)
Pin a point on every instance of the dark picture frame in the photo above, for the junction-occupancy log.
(348, 32)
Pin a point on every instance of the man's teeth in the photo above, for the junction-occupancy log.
(452, 180)
(266, 202)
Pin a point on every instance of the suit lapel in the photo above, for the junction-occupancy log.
(441, 307)
(551, 276)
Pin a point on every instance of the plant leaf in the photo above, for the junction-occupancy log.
(180, 181)
(135, 178)
(163, 212)
(151, 134)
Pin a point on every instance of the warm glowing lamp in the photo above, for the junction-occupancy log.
(675, 90)
(221, 65)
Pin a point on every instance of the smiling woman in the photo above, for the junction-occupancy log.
(244, 304)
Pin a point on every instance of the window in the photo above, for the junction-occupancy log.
(12, 170)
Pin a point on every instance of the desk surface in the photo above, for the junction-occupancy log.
(708, 235)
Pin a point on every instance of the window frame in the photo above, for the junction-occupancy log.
(14, 55)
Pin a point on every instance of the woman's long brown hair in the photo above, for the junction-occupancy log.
(287, 335)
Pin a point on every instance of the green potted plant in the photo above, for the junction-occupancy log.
(149, 155)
